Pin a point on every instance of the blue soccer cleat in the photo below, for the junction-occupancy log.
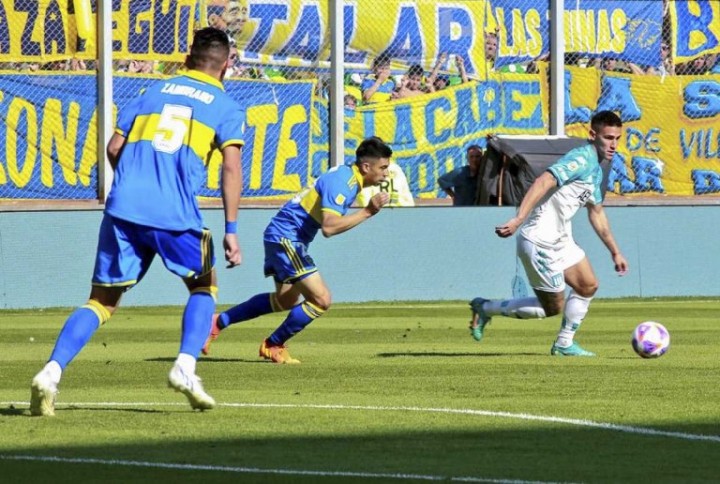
(479, 318)
(572, 350)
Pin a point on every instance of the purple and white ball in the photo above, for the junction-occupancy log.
(650, 339)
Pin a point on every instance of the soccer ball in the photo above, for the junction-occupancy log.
(650, 339)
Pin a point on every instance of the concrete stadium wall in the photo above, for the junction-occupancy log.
(421, 253)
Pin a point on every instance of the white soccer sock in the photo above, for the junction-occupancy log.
(523, 308)
(54, 370)
(186, 362)
(576, 307)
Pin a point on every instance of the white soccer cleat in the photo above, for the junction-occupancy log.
(42, 395)
(191, 387)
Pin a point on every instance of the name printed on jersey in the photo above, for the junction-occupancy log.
(188, 91)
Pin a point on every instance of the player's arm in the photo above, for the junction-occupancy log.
(114, 149)
(333, 223)
(535, 193)
(601, 225)
(231, 188)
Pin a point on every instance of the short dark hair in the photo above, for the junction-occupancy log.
(372, 147)
(210, 49)
(382, 59)
(416, 70)
(605, 118)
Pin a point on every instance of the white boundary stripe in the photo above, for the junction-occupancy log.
(454, 304)
(458, 411)
(488, 413)
(254, 470)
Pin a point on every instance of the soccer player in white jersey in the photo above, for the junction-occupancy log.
(545, 244)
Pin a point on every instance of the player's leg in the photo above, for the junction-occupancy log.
(278, 264)
(190, 255)
(118, 265)
(316, 302)
(75, 334)
(583, 283)
(546, 283)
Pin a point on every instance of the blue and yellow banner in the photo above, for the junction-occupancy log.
(429, 134)
(695, 27)
(670, 145)
(48, 142)
(294, 33)
(629, 31)
(48, 138)
(46, 30)
(671, 142)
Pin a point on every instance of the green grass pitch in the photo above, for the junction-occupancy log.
(386, 392)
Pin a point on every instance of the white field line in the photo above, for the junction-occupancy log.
(255, 470)
(452, 304)
(457, 411)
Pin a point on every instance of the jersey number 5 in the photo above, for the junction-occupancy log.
(172, 127)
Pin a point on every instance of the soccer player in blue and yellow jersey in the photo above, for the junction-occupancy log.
(158, 153)
(320, 207)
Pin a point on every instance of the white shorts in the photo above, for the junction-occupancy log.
(545, 268)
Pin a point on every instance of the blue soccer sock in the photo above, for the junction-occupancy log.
(197, 320)
(252, 308)
(299, 317)
(77, 331)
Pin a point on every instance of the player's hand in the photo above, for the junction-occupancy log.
(377, 202)
(508, 228)
(233, 254)
(621, 265)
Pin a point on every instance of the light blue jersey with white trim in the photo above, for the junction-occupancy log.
(579, 182)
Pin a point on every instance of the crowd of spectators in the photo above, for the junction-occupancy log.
(386, 80)
(701, 65)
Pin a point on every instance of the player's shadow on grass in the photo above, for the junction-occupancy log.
(100, 408)
(443, 354)
(209, 359)
(13, 411)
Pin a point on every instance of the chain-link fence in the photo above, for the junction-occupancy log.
(433, 78)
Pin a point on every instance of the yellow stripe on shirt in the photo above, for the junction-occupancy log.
(198, 136)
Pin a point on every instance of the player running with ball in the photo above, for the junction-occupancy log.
(545, 244)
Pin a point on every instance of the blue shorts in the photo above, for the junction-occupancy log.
(126, 250)
(288, 262)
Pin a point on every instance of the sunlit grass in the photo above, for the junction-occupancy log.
(382, 389)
